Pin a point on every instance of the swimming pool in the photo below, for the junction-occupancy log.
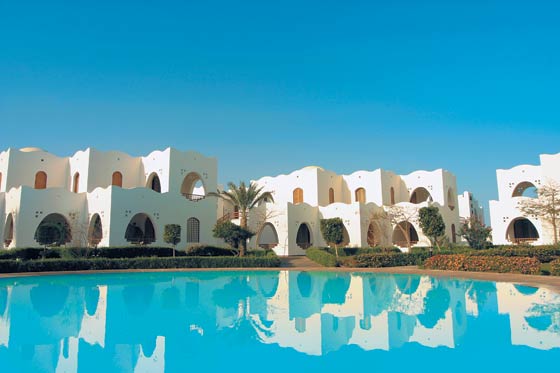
(273, 322)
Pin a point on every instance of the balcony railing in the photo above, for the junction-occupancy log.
(229, 216)
(193, 197)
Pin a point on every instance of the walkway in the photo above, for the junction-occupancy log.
(298, 262)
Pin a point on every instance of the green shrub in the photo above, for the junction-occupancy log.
(205, 250)
(555, 267)
(49, 265)
(389, 260)
(320, 256)
(261, 253)
(29, 253)
(480, 263)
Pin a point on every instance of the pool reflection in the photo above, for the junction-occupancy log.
(152, 322)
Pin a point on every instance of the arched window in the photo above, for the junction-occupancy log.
(140, 230)
(267, 237)
(9, 231)
(193, 230)
(392, 196)
(117, 179)
(153, 183)
(404, 234)
(53, 230)
(451, 199)
(193, 188)
(331, 195)
(95, 231)
(298, 196)
(522, 230)
(374, 234)
(40, 180)
(303, 236)
(420, 195)
(525, 189)
(453, 234)
(360, 195)
(76, 182)
(0, 180)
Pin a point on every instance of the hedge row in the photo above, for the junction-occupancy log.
(321, 256)
(49, 265)
(461, 262)
(544, 254)
(389, 260)
(33, 253)
(555, 267)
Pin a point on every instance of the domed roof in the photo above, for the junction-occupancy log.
(31, 149)
(313, 168)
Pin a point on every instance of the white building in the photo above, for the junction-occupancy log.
(106, 198)
(509, 225)
(301, 199)
(469, 207)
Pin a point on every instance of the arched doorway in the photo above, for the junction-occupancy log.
(525, 189)
(76, 182)
(193, 230)
(140, 230)
(451, 199)
(116, 179)
(267, 237)
(420, 195)
(154, 183)
(193, 187)
(53, 230)
(374, 234)
(297, 196)
(41, 180)
(303, 236)
(400, 234)
(360, 195)
(95, 231)
(522, 230)
(9, 230)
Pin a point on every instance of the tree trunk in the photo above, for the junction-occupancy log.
(243, 222)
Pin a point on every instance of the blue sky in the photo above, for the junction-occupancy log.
(271, 87)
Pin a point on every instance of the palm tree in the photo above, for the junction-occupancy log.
(244, 198)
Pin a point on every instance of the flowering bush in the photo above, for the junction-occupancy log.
(474, 263)
(555, 267)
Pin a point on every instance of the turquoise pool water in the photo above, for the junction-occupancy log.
(275, 322)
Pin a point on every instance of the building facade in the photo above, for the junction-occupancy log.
(509, 224)
(106, 198)
(291, 223)
(469, 207)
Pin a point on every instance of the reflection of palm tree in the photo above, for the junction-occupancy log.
(236, 295)
(481, 291)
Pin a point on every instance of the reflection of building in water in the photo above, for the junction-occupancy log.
(534, 315)
(159, 321)
(327, 312)
(5, 293)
